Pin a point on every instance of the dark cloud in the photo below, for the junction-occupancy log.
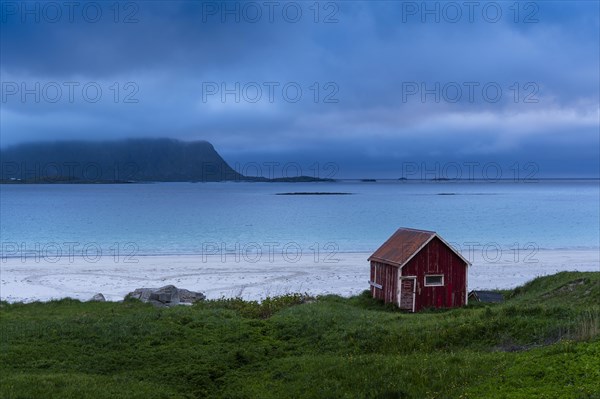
(154, 74)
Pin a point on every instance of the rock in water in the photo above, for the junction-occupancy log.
(169, 295)
(98, 298)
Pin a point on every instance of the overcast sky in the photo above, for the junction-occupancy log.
(369, 86)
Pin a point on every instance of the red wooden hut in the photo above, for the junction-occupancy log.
(417, 269)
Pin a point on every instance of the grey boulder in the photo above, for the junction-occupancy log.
(169, 295)
(98, 298)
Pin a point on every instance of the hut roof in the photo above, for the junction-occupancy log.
(404, 244)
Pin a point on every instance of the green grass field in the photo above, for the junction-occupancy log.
(543, 342)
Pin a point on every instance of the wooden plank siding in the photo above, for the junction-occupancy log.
(386, 276)
(437, 258)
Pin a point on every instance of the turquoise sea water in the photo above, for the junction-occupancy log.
(178, 218)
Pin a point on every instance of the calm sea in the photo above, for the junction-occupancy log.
(182, 218)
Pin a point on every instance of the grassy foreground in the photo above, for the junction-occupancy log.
(543, 342)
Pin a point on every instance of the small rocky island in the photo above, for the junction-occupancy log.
(313, 193)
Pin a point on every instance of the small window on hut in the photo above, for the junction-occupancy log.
(432, 281)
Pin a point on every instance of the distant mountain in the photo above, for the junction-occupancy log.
(122, 161)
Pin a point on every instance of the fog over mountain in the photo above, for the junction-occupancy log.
(123, 160)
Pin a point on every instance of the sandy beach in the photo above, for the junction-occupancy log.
(28, 280)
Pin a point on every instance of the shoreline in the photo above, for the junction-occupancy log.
(76, 278)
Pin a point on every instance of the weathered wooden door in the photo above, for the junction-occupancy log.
(406, 296)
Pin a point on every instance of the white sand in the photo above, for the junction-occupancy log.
(30, 281)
